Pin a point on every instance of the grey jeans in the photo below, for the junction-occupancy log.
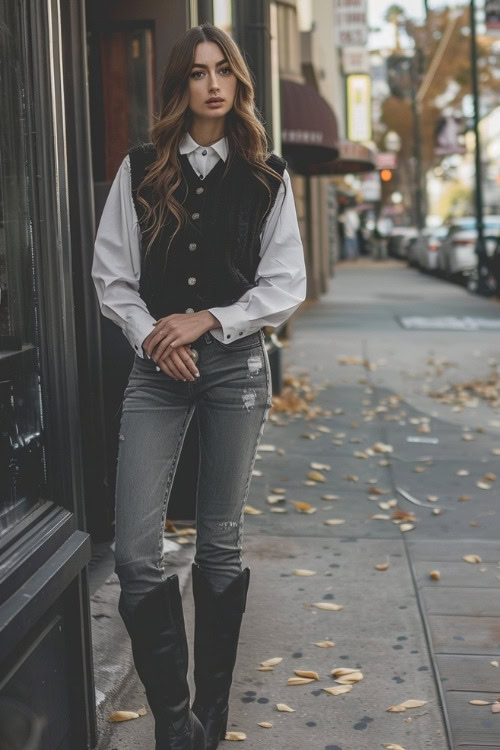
(232, 398)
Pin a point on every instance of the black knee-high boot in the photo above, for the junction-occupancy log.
(159, 646)
(217, 628)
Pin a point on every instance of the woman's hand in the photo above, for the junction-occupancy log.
(179, 364)
(177, 330)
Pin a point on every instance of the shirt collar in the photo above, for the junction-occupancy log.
(188, 144)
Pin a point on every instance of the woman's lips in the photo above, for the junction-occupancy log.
(215, 104)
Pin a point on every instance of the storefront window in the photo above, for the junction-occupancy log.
(223, 17)
(22, 467)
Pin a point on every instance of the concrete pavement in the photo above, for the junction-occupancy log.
(412, 637)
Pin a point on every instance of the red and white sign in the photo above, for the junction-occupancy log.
(386, 160)
(351, 23)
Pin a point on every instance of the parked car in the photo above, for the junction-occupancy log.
(457, 253)
(400, 239)
(427, 251)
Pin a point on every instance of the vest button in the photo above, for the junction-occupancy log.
(204, 152)
(199, 190)
(191, 281)
(190, 310)
(192, 246)
(195, 216)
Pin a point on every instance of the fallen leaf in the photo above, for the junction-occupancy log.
(380, 517)
(382, 566)
(338, 690)
(303, 507)
(265, 669)
(407, 526)
(251, 511)
(483, 485)
(472, 558)
(495, 663)
(480, 703)
(349, 679)
(464, 498)
(419, 469)
(394, 747)
(272, 662)
(265, 724)
(235, 736)
(299, 681)
(432, 498)
(142, 711)
(284, 707)
(330, 497)
(377, 491)
(495, 707)
(334, 522)
(316, 476)
(468, 437)
(266, 448)
(435, 575)
(306, 673)
(343, 671)
(382, 448)
(279, 510)
(272, 499)
(325, 644)
(278, 491)
(303, 572)
(320, 467)
(463, 473)
(256, 473)
(123, 716)
(407, 704)
(351, 478)
(328, 606)
(323, 428)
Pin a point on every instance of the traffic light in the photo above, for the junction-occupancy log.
(386, 175)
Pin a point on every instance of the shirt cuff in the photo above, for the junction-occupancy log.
(234, 323)
(137, 330)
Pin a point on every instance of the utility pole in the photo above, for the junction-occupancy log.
(482, 260)
(417, 150)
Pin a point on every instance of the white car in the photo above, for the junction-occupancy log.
(427, 251)
(457, 256)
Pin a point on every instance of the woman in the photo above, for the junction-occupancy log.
(198, 248)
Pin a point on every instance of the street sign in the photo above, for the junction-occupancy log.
(351, 23)
(355, 60)
(492, 16)
(386, 160)
(359, 108)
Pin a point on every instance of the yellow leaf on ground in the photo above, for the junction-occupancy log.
(142, 711)
(316, 476)
(304, 572)
(265, 724)
(472, 558)
(284, 707)
(325, 644)
(382, 566)
(334, 522)
(480, 703)
(343, 671)
(306, 673)
(320, 467)
(299, 680)
(338, 690)
(303, 507)
(251, 511)
(279, 510)
(330, 497)
(235, 736)
(394, 747)
(348, 679)
(483, 485)
(329, 606)
(272, 662)
(265, 669)
(406, 526)
(435, 575)
(495, 663)
(123, 716)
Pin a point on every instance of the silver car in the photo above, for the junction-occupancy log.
(457, 256)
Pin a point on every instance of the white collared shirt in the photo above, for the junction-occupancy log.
(116, 268)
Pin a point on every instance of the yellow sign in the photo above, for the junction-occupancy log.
(359, 108)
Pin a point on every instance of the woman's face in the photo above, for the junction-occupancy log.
(212, 83)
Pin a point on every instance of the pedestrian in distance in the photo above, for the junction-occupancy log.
(197, 250)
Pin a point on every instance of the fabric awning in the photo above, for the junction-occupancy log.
(309, 126)
(353, 159)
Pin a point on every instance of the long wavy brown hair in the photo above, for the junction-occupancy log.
(243, 129)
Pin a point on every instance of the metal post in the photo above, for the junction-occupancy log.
(205, 11)
(482, 266)
(417, 152)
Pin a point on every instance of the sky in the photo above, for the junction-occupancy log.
(376, 12)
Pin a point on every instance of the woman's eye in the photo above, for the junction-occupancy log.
(225, 70)
(196, 73)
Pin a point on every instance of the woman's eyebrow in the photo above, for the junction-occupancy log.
(201, 65)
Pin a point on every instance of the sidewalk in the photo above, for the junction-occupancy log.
(412, 637)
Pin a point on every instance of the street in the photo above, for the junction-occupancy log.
(367, 417)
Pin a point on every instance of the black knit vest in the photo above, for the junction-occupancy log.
(213, 258)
